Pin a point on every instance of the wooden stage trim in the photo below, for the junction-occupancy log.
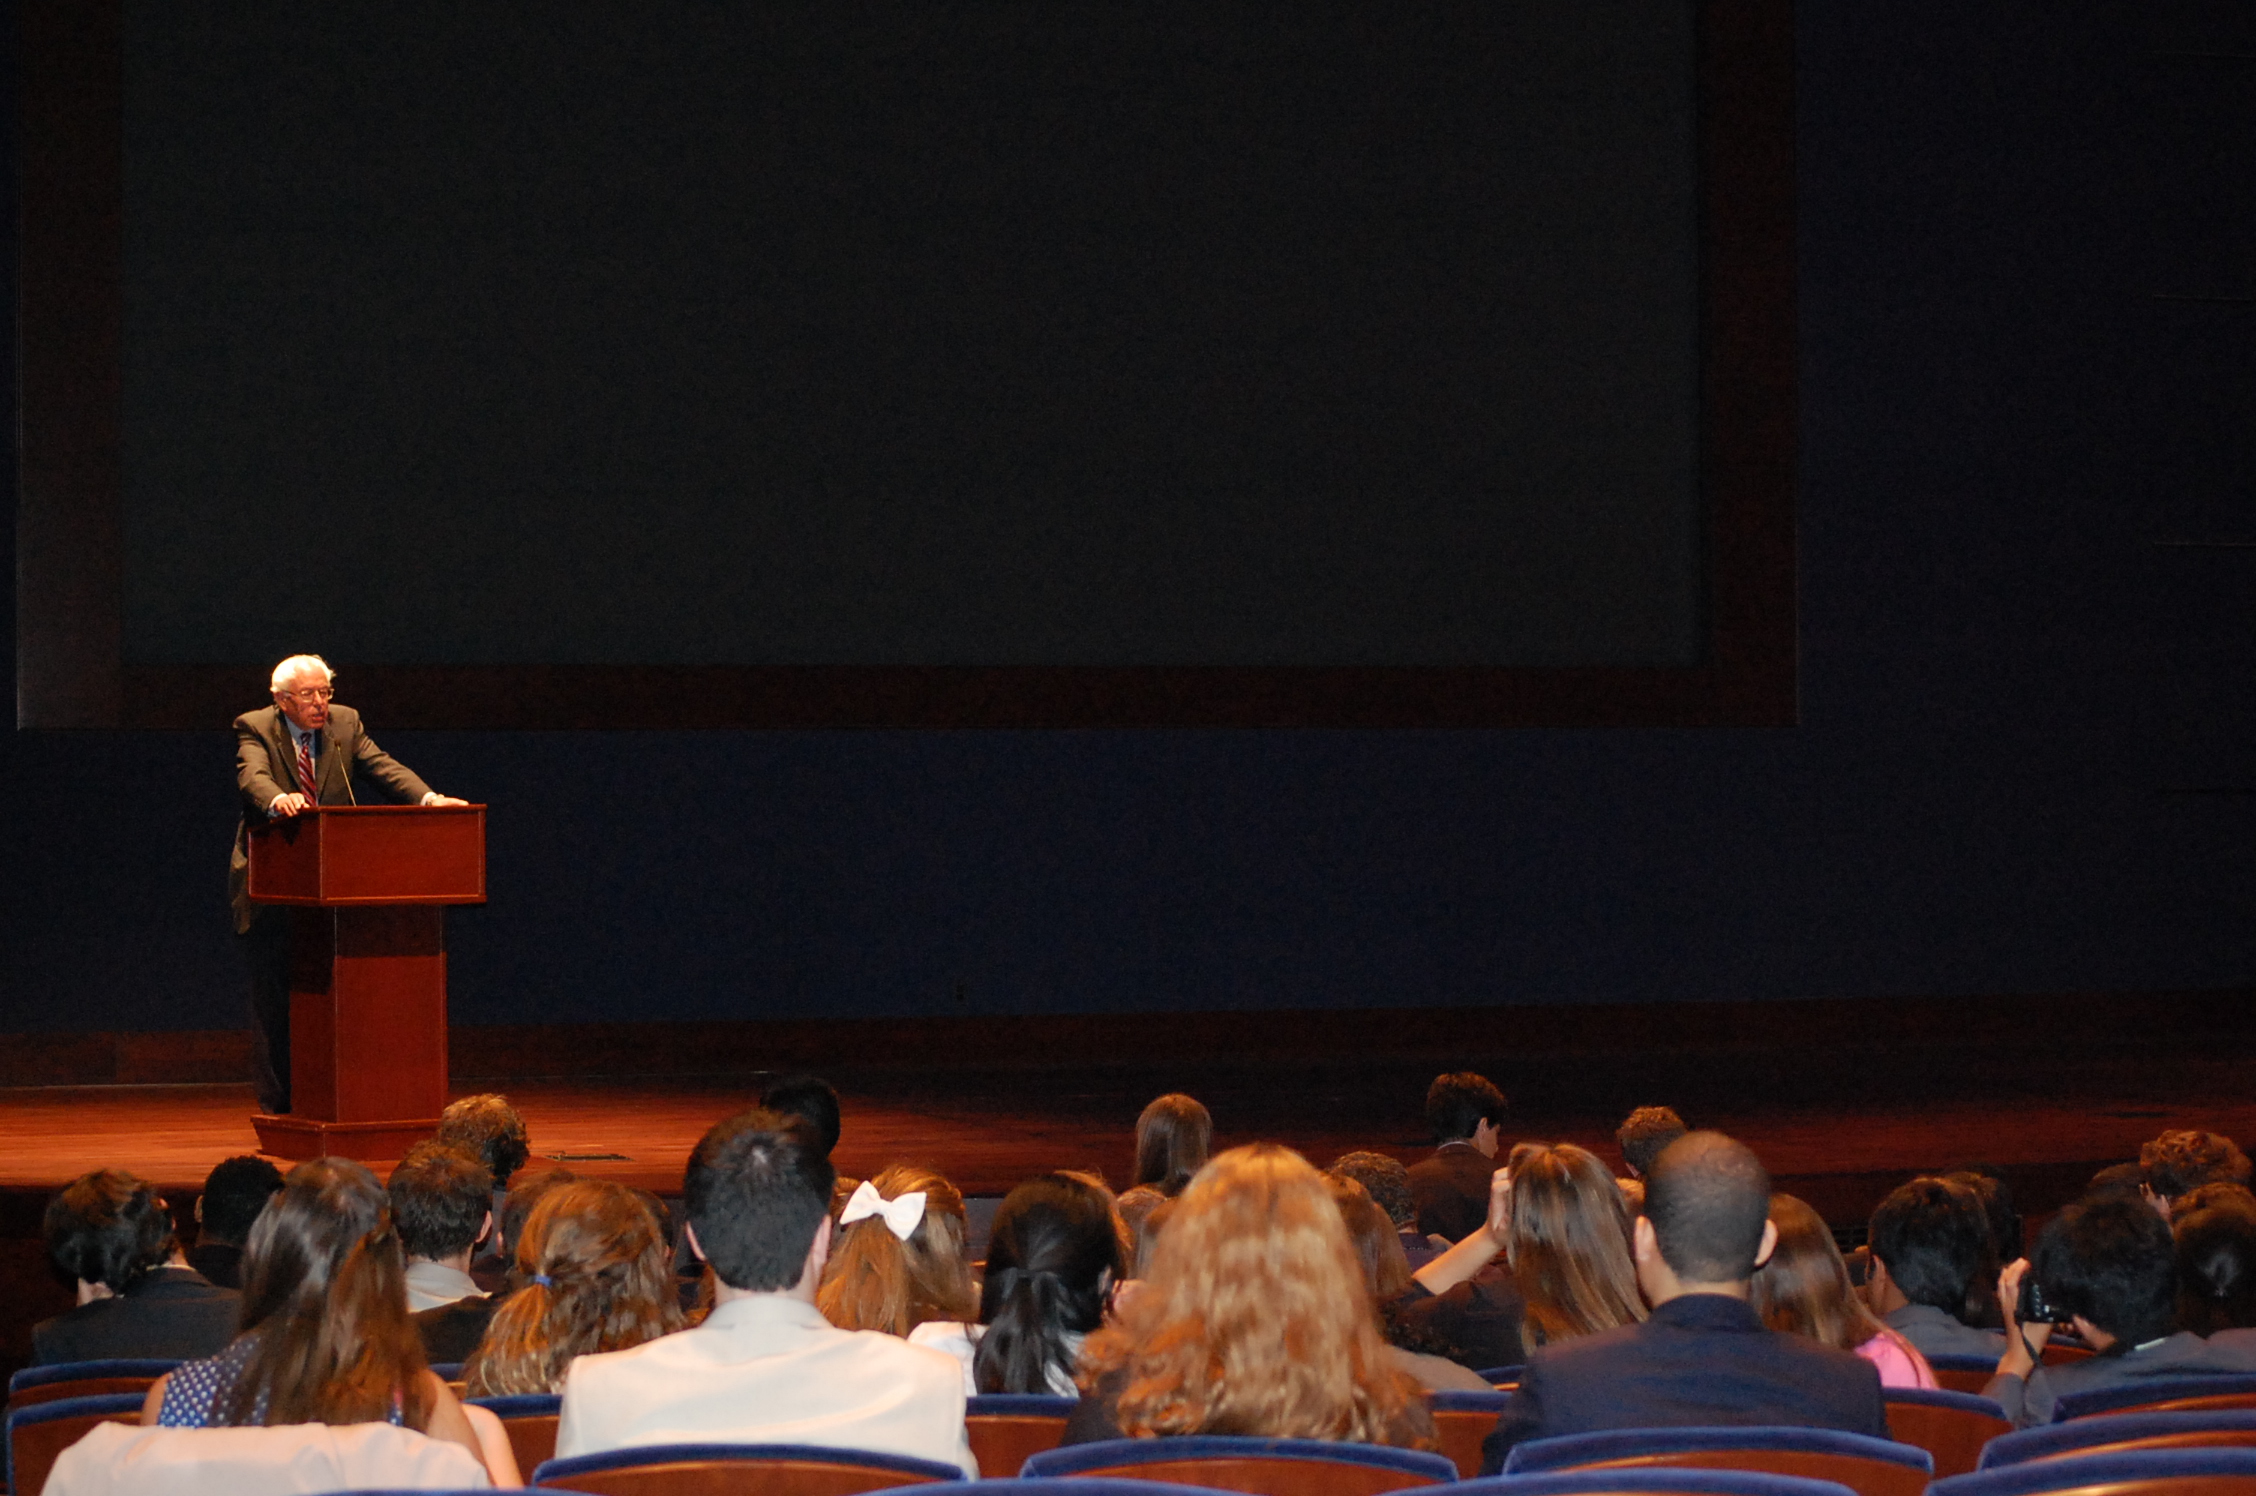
(1945, 1030)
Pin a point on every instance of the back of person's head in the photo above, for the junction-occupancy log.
(235, 1191)
(489, 1127)
(2116, 1179)
(1458, 1103)
(881, 1279)
(1708, 1198)
(1173, 1136)
(2216, 1246)
(812, 1101)
(2110, 1259)
(1052, 1255)
(518, 1208)
(1255, 1318)
(325, 1293)
(757, 1187)
(1804, 1288)
(109, 1227)
(1567, 1235)
(1932, 1237)
(1378, 1245)
(441, 1196)
(1644, 1133)
(1994, 1194)
(597, 1277)
(2177, 1163)
(1386, 1180)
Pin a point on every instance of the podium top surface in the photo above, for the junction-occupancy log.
(340, 855)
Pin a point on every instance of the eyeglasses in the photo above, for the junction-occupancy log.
(310, 693)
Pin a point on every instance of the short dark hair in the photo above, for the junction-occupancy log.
(812, 1101)
(1995, 1196)
(2177, 1163)
(1708, 1198)
(1385, 1180)
(1644, 1133)
(2111, 1260)
(2216, 1246)
(235, 1191)
(441, 1195)
(489, 1127)
(1933, 1237)
(109, 1227)
(757, 1187)
(518, 1207)
(1458, 1103)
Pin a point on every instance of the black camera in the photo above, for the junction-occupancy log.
(2035, 1308)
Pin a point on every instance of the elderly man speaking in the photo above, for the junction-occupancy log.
(289, 757)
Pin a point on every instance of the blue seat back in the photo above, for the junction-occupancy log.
(1652, 1478)
(510, 1405)
(2153, 1390)
(1111, 1453)
(1938, 1397)
(84, 1371)
(1468, 1402)
(559, 1472)
(1499, 1375)
(1569, 1450)
(2056, 1439)
(1020, 1405)
(107, 1405)
(2233, 1469)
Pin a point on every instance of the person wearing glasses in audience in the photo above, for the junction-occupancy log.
(300, 752)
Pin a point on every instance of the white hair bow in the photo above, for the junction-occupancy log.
(900, 1216)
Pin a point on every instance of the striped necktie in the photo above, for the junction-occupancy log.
(306, 780)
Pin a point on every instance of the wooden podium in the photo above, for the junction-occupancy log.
(368, 887)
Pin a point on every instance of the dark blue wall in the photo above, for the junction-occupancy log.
(2017, 706)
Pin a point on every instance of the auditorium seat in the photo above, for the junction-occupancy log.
(1952, 1427)
(1501, 1376)
(1262, 1467)
(1463, 1419)
(2123, 1433)
(729, 1469)
(38, 1384)
(1647, 1480)
(2158, 1472)
(1963, 1373)
(41, 1431)
(1868, 1466)
(2195, 1394)
(1008, 1427)
(529, 1418)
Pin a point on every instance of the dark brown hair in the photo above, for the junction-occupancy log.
(1172, 1139)
(1566, 1235)
(1804, 1288)
(108, 1227)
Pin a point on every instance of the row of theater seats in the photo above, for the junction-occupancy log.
(2201, 1431)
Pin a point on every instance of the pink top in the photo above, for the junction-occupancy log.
(1899, 1361)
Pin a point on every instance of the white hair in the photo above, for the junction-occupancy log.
(297, 665)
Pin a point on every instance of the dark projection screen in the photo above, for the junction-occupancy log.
(912, 333)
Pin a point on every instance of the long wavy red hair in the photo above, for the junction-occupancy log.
(1255, 1319)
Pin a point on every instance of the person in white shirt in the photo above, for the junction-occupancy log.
(442, 1202)
(765, 1367)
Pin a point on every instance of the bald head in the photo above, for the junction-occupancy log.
(1708, 1198)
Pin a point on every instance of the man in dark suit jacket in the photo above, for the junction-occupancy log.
(136, 1296)
(289, 757)
(1466, 1113)
(1704, 1357)
(2109, 1263)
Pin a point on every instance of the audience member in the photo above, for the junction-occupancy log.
(1567, 1236)
(517, 1209)
(2108, 1264)
(2178, 1163)
(490, 1130)
(598, 1277)
(1255, 1320)
(1387, 1181)
(1052, 1259)
(1643, 1134)
(2216, 1247)
(2117, 1179)
(897, 1260)
(1466, 1113)
(326, 1337)
(1704, 1357)
(1930, 1243)
(137, 1296)
(765, 1367)
(2001, 1242)
(1386, 1273)
(1804, 1289)
(1464, 1304)
(1173, 1137)
(812, 1101)
(235, 1191)
(442, 1200)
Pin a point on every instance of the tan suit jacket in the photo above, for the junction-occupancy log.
(266, 765)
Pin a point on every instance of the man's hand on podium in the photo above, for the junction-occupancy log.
(282, 807)
(435, 798)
